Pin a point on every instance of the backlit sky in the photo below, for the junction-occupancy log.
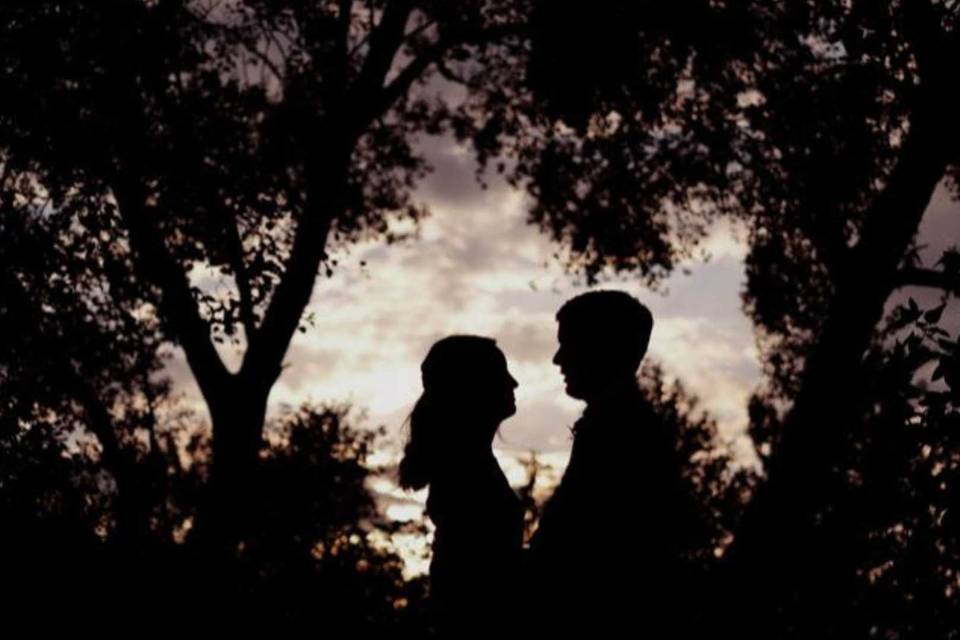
(477, 267)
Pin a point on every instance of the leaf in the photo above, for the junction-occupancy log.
(933, 315)
(913, 342)
(950, 260)
(938, 332)
(947, 345)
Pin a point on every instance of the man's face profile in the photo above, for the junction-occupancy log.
(582, 361)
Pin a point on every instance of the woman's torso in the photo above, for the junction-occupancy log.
(477, 540)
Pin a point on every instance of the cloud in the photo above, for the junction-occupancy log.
(483, 271)
(453, 179)
(477, 267)
(375, 324)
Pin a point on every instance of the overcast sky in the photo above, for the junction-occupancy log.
(477, 267)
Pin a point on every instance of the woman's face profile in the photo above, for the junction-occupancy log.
(507, 384)
(468, 381)
(492, 388)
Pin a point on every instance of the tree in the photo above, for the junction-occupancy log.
(78, 364)
(717, 484)
(231, 143)
(824, 127)
(317, 552)
(242, 140)
(903, 477)
(864, 174)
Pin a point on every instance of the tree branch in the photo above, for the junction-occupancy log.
(346, 18)
(327, 169)
(77, 385)
(327, 175)
(384, 43)
(401, 84)
(264, 357)
(420, 29)
(933, 278)
(151, 257)
(430, 55)
(157, 266)
(371, 26)
(264, 58)
(448, 74)
(801, 472)
(235, 252)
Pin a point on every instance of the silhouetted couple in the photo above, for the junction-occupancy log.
(607, 555)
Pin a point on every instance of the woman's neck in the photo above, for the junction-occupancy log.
(465, 461)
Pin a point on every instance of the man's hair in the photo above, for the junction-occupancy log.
(612, 317)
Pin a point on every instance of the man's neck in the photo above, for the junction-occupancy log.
(603, 405)
(612, 394)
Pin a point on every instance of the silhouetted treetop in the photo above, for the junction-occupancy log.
(790, 117)
(825, 137)
(218, 148)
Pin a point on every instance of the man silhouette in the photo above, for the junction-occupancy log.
(606, 557)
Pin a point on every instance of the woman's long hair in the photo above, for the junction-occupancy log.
(448, 374)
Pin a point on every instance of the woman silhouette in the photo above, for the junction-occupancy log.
(467, 393)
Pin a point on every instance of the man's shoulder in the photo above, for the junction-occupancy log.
(618, 425)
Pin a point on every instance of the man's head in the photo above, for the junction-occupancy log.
(603, 337)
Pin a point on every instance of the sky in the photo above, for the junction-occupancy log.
(476, 266)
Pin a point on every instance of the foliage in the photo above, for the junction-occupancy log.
(315, 555)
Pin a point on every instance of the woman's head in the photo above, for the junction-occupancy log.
(468, 375)
(467, 392)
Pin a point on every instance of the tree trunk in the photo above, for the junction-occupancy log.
(237, 413)
(788, 548)
(238, 402)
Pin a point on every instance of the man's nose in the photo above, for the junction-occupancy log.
(556, 358)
